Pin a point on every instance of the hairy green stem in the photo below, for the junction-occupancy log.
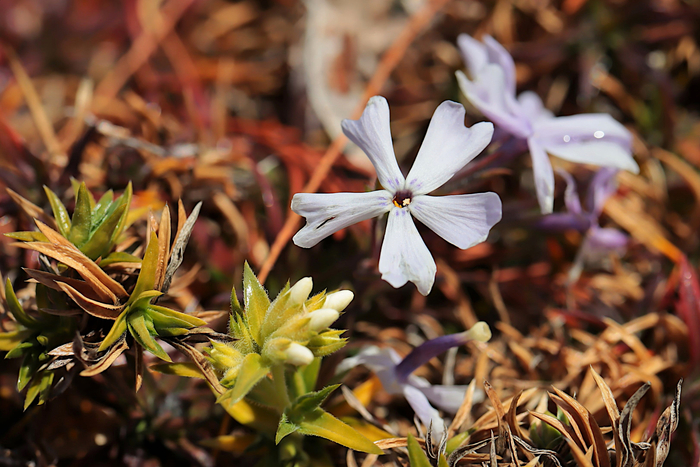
(280, 382)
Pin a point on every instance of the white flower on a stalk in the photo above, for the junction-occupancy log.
(463, 220)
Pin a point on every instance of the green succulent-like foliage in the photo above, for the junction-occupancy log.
(270, 368)
(82, 280)
(94, 227)
(144, 320)
(31, 339)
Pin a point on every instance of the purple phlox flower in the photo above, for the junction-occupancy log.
(598, 242)
(596, 139)
(396, 375)
(463, 220)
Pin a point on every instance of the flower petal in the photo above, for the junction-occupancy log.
(606, 239)
(596, 139)
(571, 199)
(381, 361)
(543, 174)
(532, 107)
(326, 213)
(447, 398)
(463, 220)
(487, 92)
(602, 187)
(372, 133)
(473, 53)
(448, 146)
(404, 256)
(427, 414)
(500, 56)
(560, 222)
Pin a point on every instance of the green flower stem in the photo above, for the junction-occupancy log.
(280, 382)
(299, 384)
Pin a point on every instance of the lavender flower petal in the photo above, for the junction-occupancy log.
(473, 53)
(571, 199)
(602, 187)
(404, 256)
(487, 93)
(427, 414)
(381, 361)
(532, 108)
(543, 174)
(447, 398)
(596, 139)
(463, 220)
(606, 239)
(448, 146)
(326, 213)
(499, 55)
(372, 133)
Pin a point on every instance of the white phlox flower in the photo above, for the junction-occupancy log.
(463, 220)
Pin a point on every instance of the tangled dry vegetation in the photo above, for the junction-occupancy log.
(232, 104)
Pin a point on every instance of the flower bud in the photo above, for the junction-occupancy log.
(298, 355)
(321, 319)
(479, 332)
(300, 291)
(338, 300)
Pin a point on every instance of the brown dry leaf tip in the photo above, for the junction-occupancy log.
(182, 236)
(138, 367)
(96, 362)
(200, 360)
(31, 209)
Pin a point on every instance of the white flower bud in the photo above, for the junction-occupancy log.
(338, 300)
(300, 291)
(322, 318)
(479, 332)
(298, 355)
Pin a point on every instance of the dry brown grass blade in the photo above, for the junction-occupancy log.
(551, 455)
(608, 399)
(502, 441)
(102, 284)
(582, 460)
(138, 367)
(51, 235)
(141, 49)
(667, 424)
(391, 443)
(592, 431)
(179, 244)
(41, 120)
(389, 61)
(106, 360)
(493, 460)
(350, 458)
(463, 451)
(369, 460)
(567, 432)
(464, 412)
(31, 209)
(93, 307)
(511, 418)
(163, 247)
(626, 454)
(199, 360)
(52, 280)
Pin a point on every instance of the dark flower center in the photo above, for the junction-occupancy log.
(402, 198)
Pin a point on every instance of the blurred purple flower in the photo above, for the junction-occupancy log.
(396, 375)
(463, 220)
(598, 242)
(596, 139)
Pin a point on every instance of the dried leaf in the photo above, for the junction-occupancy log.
(181, 239)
